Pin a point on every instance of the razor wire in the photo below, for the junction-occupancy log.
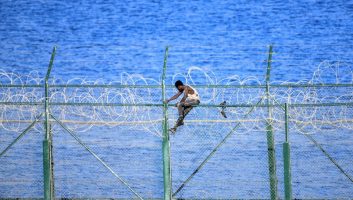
(134, 100)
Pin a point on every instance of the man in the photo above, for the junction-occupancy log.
(190, 99)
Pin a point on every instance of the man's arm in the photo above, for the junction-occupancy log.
(174, 97)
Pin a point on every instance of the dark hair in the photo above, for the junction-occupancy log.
(177, 83)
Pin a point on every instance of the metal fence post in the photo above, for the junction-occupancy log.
(286, 160)
(269, 130)
(47, 143)
(166, 144)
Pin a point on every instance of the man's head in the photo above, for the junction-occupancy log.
(179, 85)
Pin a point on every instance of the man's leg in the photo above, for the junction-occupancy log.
(188, 107)
(187, 110)
(183, 109)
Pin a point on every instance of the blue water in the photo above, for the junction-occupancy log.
(103, 39)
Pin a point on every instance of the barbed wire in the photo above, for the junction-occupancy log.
(123, 113)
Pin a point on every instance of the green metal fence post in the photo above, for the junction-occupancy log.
(46, 170)
(269, 130)
(47, 143)
(166, 144)
(286, 160)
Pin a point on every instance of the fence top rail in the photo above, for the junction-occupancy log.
(289, 85)
(173, 105)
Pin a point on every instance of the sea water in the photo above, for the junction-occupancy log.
(105, 39)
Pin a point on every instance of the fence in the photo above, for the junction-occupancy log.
(284, 140)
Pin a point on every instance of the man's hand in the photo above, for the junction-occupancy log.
(166, 101)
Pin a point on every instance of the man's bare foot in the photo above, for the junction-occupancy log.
(172, 130)
(180, 123)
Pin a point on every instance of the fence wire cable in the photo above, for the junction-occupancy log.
(214, 150)
(21, 135)
(329, 156)
(97, 157)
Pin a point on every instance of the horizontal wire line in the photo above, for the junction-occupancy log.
(170, 86)
(173, 105)
(186, 121)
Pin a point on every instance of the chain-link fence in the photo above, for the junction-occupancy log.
(266, 141)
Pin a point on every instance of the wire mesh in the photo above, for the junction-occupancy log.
(321, 159)
(21, 169)
(212, 156)
(134, 156)
(229, 173)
